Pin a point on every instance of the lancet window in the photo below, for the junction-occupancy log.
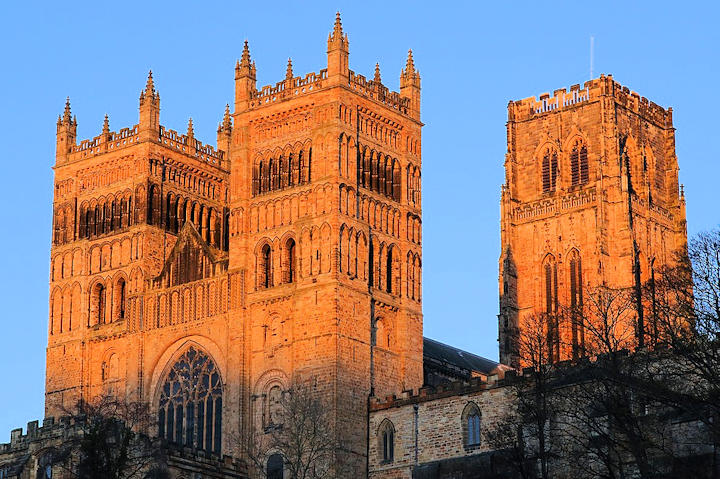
(289, 261)
(190, 408)
(549, 170)
(579, 164)
(471, 425)
(264, 267)
(386, 441)
(551, 308)
(576, 305)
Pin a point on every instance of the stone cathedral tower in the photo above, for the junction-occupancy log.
(291, 252)
(591, 197)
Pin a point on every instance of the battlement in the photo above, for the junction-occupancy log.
(114, 140)
(128, 137)
(378, 92)
(193, 147)
(591, 90)
(288, 88)
(452, 388)
(50, 429)
(298, 86)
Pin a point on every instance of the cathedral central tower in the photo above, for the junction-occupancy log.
(591, 197)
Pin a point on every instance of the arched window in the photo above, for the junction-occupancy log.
(576, 305)
(97, 305)
(289, 261)
(119, 299)
(272, 174)
(275, 466)
(549, 170)
(153, 213)
(551, 308)
(471, 425)
(226, 231)
(290, 170)
(389, 270)
(264, 271)
(89, 222)
(261, 178)
(386, 441)
(190, 408)
(579, 164)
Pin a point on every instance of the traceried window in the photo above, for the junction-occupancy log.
(549, 170)
(190, 409)
(386, 441)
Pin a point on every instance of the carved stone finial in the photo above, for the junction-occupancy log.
(245, 59)
(67, 113)
(289, 70)
(410, 63)
(227, 121)
(337, 29)
(377, 78)
(190, 131)
(106, 125)
(150, 85)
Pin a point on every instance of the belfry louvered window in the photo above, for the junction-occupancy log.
(579, 164)
(549, 170)
(190, 409)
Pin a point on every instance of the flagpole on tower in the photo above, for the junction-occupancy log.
(592, 54)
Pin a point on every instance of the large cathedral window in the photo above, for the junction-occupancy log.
(190, 410)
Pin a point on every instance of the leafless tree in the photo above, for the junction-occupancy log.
(302, 435)
(109, 440)
(523, 434)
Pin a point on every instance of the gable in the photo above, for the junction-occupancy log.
(191, 259)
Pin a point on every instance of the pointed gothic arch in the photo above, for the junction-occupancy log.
(190, 401)
(471, 425)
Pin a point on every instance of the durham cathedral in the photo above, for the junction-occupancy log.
(206, 281)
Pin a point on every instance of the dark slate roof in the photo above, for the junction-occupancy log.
(457, 357)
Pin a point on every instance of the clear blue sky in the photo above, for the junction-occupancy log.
(473, 57)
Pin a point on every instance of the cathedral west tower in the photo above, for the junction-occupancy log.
(591, 197)
(290, 253)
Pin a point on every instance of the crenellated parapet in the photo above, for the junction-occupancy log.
(295, 86)
(445, 390)
(148, 129)
(337, 73)
(375, 90)
(592, 90)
